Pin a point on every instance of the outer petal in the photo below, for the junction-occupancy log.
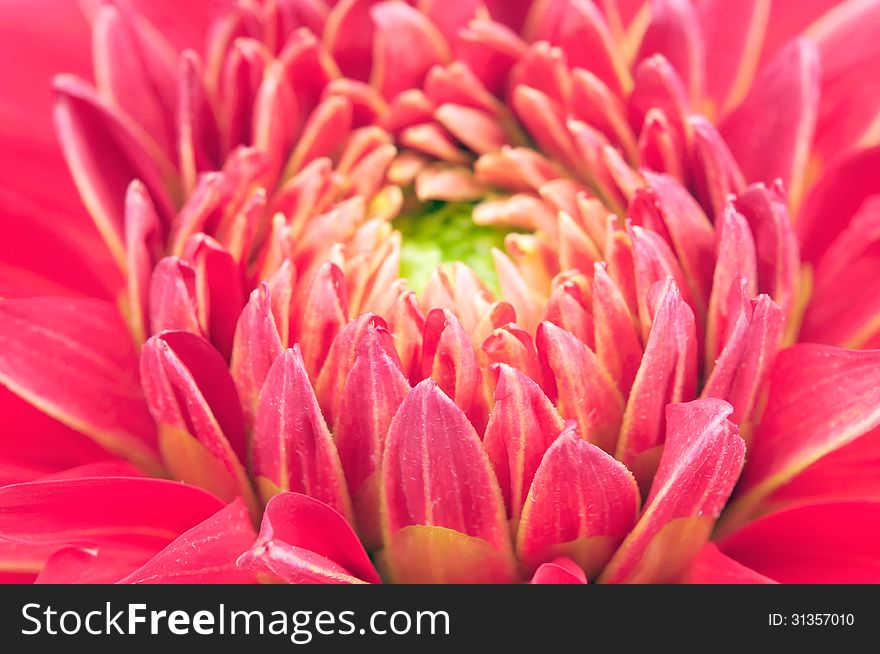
(818, 543)
(699, 467)
(442, 508)
(776, 143)
(582, 504)
(303, 540)
(821, 399)
(711, 566)
(87, 373)
(135, 510)
(206, 554)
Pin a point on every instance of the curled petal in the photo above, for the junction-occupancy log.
(303, 540)
(559, 571)
(698, 469)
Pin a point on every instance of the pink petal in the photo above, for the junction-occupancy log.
(559, 571)
(522, 425)
(675, 32)
(667, 374)
(323, 312)
(711, 566)
(831, 543)
(124, 510)
(206, 554)
(302, 540)
(256, 346)
(92, 564)
(449, 359)
(173, 300)
(406, 44)
(735, 31)
(618, 343)
(831, 204)
(821, 399)
(292, 447)
(373, 390)
(440, 496)
(698, 469)
(39, 445)
(585, 391)
(87, 373)
(582, 504)
(193, 399)
(776, 144)
(844, 308)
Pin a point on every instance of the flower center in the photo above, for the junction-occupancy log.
(437, 232)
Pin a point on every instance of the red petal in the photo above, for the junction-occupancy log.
(844, 308)
(711, 566)
(735, 31)
(206, 554)
(373, 390)
(776, 144)
(292, 447)
(698, 469)
(668, 374)
(39, 445)
(618, 344)
(737, 265)
(135, 510)
(849, 100)
(105, 151)
(341, 357)
(323, 311)
(75, 360)
(834, 543)
(581, 32)
(348, 37)
(559, 571)
(779, 266)
(514, 346)
(442, 508)
(821, 399)
(835, 199)
(193, 399)
(675, 33)
(219, 290)
(141, 237)
(522, 425)
(135, 70)
(406, 44)
(173, 299)
(582, 504)
(585, 391)
(450, 360)
(255, 348)
(303, 540)
(94, 564)
(741, 370)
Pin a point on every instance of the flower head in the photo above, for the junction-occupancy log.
(492, 291)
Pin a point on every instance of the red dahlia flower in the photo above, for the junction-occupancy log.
(460, 291)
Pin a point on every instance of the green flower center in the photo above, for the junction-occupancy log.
(444, 232)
